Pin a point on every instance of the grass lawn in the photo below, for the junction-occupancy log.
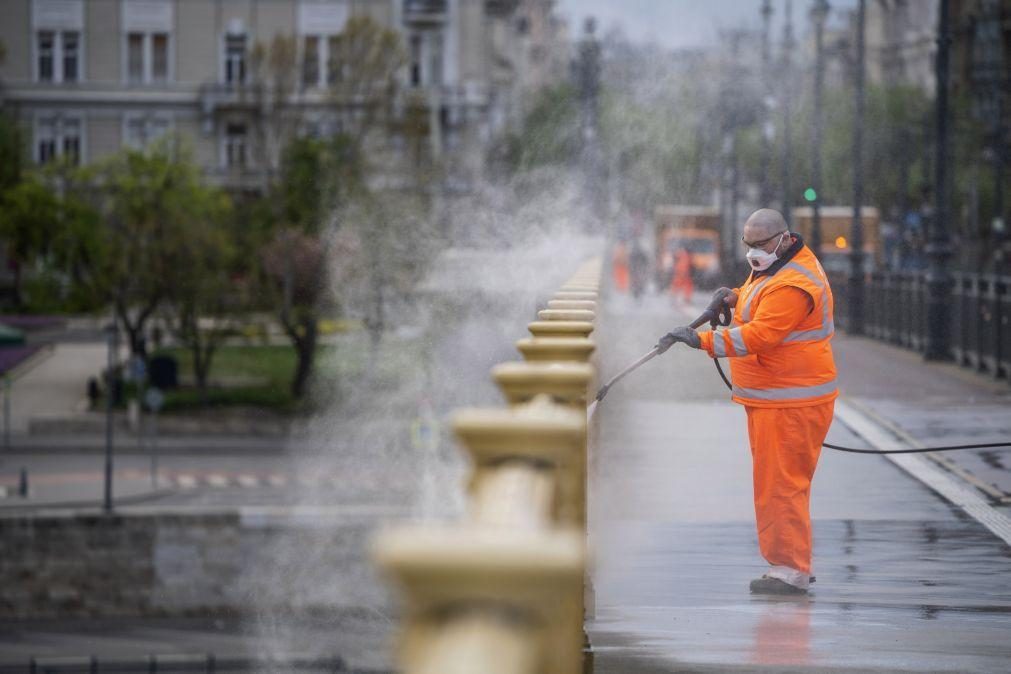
(274, 367)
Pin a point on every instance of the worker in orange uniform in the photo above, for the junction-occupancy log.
(783, 373)
(619, 267)
(682, 279)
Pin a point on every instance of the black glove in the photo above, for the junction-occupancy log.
(727, 295)
(684, 335)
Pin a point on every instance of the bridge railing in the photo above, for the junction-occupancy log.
(896, 312)
(503, 591)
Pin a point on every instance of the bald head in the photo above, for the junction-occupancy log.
(763, 223)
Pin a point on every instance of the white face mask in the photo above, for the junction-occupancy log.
(760, 260)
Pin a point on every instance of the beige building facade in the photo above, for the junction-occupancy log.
(88, 77)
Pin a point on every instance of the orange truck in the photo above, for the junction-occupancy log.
(694, 228)
(836, 222)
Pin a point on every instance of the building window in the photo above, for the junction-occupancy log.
(141, 131)
(135, 58)
(57, 40)
(159, 57)
(46, 51)
(235, 145)
(335, 66)
(435, 59)
(235, 59)
(310, 61)
(71, 44)
(45, 140)
(58, 137)
(322, 64)
(71, 140)
(415, 60)
(425, 64)
(59, 55)
(135, 132)
(147, 58)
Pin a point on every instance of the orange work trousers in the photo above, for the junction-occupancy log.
(785, 446)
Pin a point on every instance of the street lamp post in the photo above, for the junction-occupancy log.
(587, 69)
(938, 249)
(856, 280)
(766, 194)
(788, 46)
(990, 81)
(112, 335)
(819, 13)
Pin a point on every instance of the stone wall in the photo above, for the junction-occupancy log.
(252, 560)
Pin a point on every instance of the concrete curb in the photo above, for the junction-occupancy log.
(881, 434)
(135, 499)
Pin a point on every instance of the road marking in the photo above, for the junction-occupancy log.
(186, 481)
(877, 433)
(248, 481)
(218, 481)
(277, 480)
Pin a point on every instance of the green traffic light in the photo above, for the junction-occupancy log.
(810, 194)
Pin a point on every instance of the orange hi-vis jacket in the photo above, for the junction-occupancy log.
(779, 343)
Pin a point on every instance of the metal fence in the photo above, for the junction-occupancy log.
(205, 663)
(896, 312)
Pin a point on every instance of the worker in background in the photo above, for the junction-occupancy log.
(619, 267)
(638, 269)
(681, 281)
(783, 373)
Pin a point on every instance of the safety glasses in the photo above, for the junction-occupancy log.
(763, 242)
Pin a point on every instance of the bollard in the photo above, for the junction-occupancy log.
(23, 483)
(549, 349)
(487, 600)
(566, 315)
(560, 328)
(588, 305)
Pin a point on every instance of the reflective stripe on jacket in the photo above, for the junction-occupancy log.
(779, 343)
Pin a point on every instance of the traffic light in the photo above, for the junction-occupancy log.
(810, 194)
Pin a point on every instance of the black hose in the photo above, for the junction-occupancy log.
(854, 450)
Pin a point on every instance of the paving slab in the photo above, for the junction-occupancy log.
(906, 581)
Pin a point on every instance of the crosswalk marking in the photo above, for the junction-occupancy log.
(216, 480)
(186, 481)
(250, 481)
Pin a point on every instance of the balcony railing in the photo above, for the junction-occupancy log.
(425, 10)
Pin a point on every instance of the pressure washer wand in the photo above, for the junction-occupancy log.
(716, 313)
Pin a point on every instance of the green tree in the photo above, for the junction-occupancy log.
(152, 203)
(29, 214)
(317, 176)
(391, 238)
(550, 132)
(208, 292)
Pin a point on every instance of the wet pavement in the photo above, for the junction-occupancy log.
(906, 581)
